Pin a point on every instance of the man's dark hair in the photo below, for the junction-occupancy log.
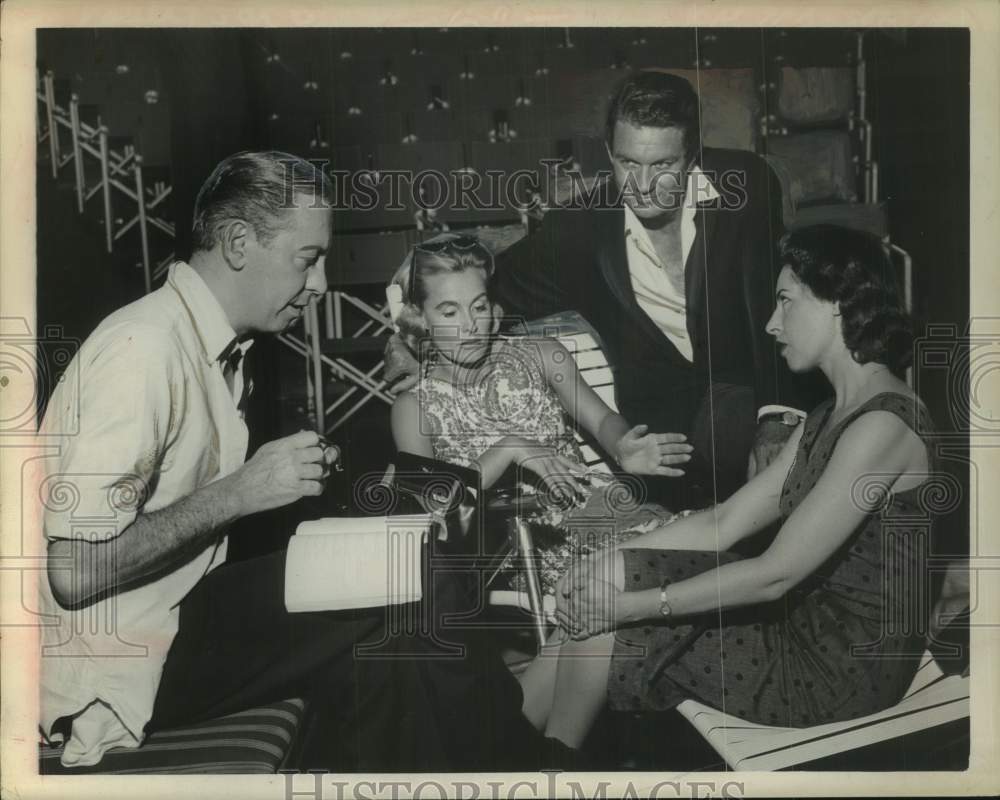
(260, 189)
(853, 269)
(656, 99)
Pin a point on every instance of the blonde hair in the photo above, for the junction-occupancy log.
(445, 258)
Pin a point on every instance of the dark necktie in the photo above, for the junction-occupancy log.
(230, 363)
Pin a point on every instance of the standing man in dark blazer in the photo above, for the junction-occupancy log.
(672, 262)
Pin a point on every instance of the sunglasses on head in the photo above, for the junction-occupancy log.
(460, 243)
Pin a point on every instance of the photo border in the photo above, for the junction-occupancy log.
(19, 570)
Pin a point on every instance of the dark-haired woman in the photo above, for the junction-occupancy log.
(825, 624)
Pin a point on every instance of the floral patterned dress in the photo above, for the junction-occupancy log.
(511, 396)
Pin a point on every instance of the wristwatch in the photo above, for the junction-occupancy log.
(665, 609)
(789, 418)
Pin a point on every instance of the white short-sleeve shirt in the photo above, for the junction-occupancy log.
(154, 420)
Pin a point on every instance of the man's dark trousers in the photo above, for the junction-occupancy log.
(414, 702)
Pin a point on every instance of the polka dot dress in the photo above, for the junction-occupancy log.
(841, 645)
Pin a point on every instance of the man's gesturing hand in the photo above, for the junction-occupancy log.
(281, 472)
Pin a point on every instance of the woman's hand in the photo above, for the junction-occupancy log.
(587, 601)
(563, 477)
(644, 453)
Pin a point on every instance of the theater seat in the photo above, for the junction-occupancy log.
(257, 741)
(815, 95)
(815, 168)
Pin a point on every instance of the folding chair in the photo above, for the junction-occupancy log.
(120, 170)
(356, 259)
(323, 351)
(933, 699)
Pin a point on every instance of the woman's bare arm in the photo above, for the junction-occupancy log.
(633, 448)
(876, 444)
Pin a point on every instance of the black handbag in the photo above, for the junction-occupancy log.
(448, 491)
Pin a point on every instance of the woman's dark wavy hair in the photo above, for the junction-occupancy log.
(853, 269)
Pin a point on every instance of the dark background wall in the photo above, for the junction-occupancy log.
(214, 110)
(920, 105)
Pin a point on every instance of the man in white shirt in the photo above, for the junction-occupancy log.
(150, 627)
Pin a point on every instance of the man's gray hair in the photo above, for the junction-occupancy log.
(258, 188)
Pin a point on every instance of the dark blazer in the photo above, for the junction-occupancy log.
(577, 260)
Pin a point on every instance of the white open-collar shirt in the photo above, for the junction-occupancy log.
(654, 292)
(149, 408)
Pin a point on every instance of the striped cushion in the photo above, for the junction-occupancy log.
(583, 343)
(254, 741)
